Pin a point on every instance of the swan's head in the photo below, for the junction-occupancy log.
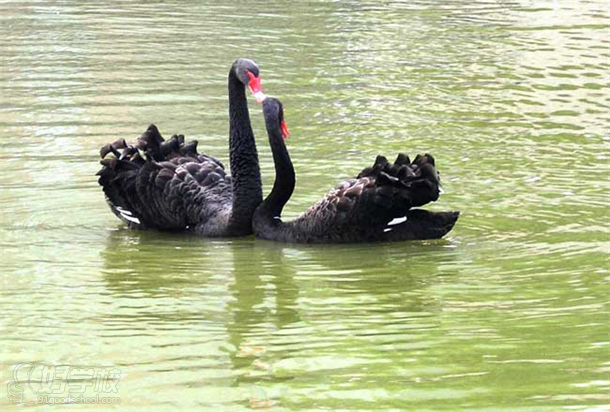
(248, 73)
(273, 111)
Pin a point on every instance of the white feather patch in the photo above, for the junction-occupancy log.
(127, 215)
(389, 229)
(397, 221)
(132, 219)
(123, 211)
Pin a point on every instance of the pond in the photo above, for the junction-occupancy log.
(508, 312)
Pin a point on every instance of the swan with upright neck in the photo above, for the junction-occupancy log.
(167, 185)
(377, 205)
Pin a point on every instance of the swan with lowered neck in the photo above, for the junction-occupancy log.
(167, 185)
(375, 206)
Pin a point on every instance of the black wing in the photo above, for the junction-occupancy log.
(362, 208)
(162, 184)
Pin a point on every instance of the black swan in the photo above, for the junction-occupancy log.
(166, 185)
(375, 206)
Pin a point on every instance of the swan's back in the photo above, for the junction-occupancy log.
(166, 185)
(376, 206)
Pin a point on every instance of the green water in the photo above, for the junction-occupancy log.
(509, 313)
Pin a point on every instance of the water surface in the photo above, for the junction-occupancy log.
(509, 312)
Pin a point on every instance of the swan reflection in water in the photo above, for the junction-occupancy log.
(246, 314)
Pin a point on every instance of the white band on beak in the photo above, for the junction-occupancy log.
(260, 97)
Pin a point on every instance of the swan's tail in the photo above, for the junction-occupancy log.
(128, 167)
(422, 224)
(402, 186)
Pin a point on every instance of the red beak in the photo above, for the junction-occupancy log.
(255, 87)
(284, 128)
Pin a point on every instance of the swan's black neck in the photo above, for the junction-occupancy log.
(284, 183)
(247, 186)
